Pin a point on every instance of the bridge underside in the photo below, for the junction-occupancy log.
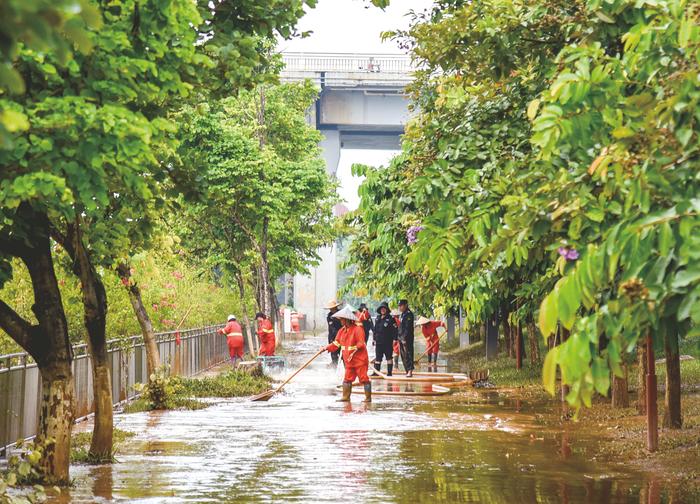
(362, 105)
(359, 118)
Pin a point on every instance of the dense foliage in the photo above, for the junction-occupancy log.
(266, 199)
(91, 161)
(549, 174)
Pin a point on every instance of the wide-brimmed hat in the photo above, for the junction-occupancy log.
(395, 313)
(422, 320)
(346, 313)
(332, 304)
(383, 305)
(231, 317)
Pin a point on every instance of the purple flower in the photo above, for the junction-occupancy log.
(412, 234)
(570, 254)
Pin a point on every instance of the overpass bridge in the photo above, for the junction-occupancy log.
(362, 104)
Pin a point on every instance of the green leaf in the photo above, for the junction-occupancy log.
(548, 315)
(532, 108)
(549, 370)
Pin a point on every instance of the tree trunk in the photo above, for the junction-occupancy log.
(149, 336)
(246, 319)
(95, 318)
(47, 343)
(507, 330)
(534, 344)
(642, 376)
(620, 395)
(55, 422)
(564, 335)
(672, 413)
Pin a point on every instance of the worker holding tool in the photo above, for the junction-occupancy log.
(334, 326)
(234, 339)
(406, 328)
(385, 333)
(351, 341)
(266, 334)
(432, 339)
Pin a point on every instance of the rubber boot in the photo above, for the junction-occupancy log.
(389, 369)
(347, 390)
(368, 392)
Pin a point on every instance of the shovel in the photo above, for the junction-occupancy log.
(265, 396)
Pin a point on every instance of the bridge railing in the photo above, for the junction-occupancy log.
(20, 381)
(348, 69)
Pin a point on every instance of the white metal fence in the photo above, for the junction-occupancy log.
(20, 382)
(348, 69)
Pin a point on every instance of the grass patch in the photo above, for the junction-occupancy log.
(182, 393)
(177, 402)
(80, 446)
(228, 384)
(502, 369)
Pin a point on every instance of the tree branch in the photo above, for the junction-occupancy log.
(19, 329)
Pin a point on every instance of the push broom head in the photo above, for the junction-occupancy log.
(263, 396)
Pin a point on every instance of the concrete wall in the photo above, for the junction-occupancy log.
(312, 292)
(363, 108)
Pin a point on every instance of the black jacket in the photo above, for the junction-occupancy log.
(334, 326)
(385, 330)
(406, 326)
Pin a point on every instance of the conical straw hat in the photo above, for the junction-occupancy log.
(346, 313)
(422, 320)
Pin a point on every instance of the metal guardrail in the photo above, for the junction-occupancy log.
(20, 382)
(346, 70)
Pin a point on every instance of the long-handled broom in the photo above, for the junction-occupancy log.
(265, 396)
(430, 347)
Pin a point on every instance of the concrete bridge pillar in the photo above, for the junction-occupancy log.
(330, 145)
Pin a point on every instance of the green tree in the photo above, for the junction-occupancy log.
(90, 169)
(266, 199)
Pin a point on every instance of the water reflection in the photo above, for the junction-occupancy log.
(303, 446)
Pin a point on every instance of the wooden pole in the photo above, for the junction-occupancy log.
(518, 346)
(652, 407)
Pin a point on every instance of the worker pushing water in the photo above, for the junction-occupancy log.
(234, 339)
(350, 340)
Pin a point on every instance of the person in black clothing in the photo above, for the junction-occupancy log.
(366, 319)
(334, 326)
(406, 336)
(385, 332)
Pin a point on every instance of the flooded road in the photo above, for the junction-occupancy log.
(303, 446)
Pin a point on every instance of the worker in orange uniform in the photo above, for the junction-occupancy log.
(432, 339)
(266, 334)
(396, 350)
(364, 318)
(350, 340)
(234, 339)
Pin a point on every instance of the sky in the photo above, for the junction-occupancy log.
(348, 26)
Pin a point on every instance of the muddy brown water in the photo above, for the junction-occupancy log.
(303, 446)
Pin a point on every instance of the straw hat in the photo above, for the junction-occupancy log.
(395, 313)
(231, 317)
(346, 313)
(332, 304)
(422, 320)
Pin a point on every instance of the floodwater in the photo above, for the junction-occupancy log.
(303, 446)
